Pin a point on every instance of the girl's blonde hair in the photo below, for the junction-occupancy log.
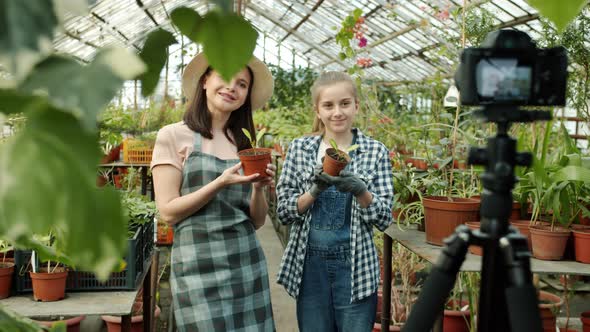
(326, 79)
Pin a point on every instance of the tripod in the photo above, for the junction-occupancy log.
(506, 289)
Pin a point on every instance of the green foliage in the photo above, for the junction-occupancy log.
(346, 34)
(285, 123)
(154, 54)
(188, 22)
(48, 169)
(292, 87)
(14, 323)
(26, 32)
(83, 90)
(561, 13)
(254, 141)
(138, 209)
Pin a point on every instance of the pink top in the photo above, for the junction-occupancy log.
(174, 144)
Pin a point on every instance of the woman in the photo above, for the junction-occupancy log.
(219, 279)
(330, 264)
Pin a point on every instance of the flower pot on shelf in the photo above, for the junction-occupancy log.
(72, 324)
(582, 245)
(523, 228)
(49, 287)
(548, 244)
(442, 216)
(335, 161)
(255, 161)
(456, 320)
(6, 270)
(549, 305)
(114, 322)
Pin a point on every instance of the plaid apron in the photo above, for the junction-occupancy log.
(219, 277)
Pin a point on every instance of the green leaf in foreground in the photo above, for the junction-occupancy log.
(188, 22)
(228, 42)
(154, 55)
(47, 182)
(85, 89)
(561, 13)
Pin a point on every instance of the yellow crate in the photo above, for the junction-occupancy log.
(136, 151)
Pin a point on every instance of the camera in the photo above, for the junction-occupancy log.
(510, 70)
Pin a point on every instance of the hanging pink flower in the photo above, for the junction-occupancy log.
(443, 14)
(364, 62)
(363, 42)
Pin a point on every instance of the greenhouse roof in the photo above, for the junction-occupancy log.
(403, 36)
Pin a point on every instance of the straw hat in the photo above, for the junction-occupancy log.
(261, 90)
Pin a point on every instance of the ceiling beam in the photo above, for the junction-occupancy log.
(113, 30)
(142, 7)
(294, 33)
(316, 6)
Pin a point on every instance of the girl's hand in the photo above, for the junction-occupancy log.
(232, 176)
(267, 181)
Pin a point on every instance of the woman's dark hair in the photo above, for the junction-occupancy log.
(198, 118)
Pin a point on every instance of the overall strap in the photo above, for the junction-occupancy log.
(197, 142)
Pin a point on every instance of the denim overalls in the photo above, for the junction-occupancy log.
(323, 304)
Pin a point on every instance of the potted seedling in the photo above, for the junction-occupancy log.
(335, 159)
(48, 278)
(6, 270)
(255, 159)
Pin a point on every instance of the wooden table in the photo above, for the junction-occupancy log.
(415, 241)
(116, 303)
(144, 174)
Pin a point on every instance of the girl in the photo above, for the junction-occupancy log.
(219, 279)
(330, 264)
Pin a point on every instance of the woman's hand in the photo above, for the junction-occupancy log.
(271, 170)
(232, 176)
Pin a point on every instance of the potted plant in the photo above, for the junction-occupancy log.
(461, 308)
(6, 270)
(48, 279)
(335, 159)
(165, 233)
(255, 159)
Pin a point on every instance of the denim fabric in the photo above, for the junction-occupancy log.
(330, 222)
(324, 303)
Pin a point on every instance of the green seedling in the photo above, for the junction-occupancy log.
(342, 155)
(254, 143)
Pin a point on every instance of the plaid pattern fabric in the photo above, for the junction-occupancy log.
(219, 277)
(371, 163)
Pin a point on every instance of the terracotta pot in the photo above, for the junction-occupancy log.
(114, 322)
(515, 213)
(117, 180)
(49, 286)
(523, 228)
(549, 244)
(331, 165)
(455, 320)
(582, 245)
(73, 324)
(441, 216)
(255, 161)
(476, 250)
(6, 270)
(585, 318)
(551, 305)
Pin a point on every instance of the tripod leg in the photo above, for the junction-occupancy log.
(521, 295)
(441, 280)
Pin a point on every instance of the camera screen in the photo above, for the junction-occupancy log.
(502, 79)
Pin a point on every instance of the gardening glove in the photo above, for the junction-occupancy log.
(347, 182)
(319, 183)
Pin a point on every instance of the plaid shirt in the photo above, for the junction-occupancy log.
(371, 163)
